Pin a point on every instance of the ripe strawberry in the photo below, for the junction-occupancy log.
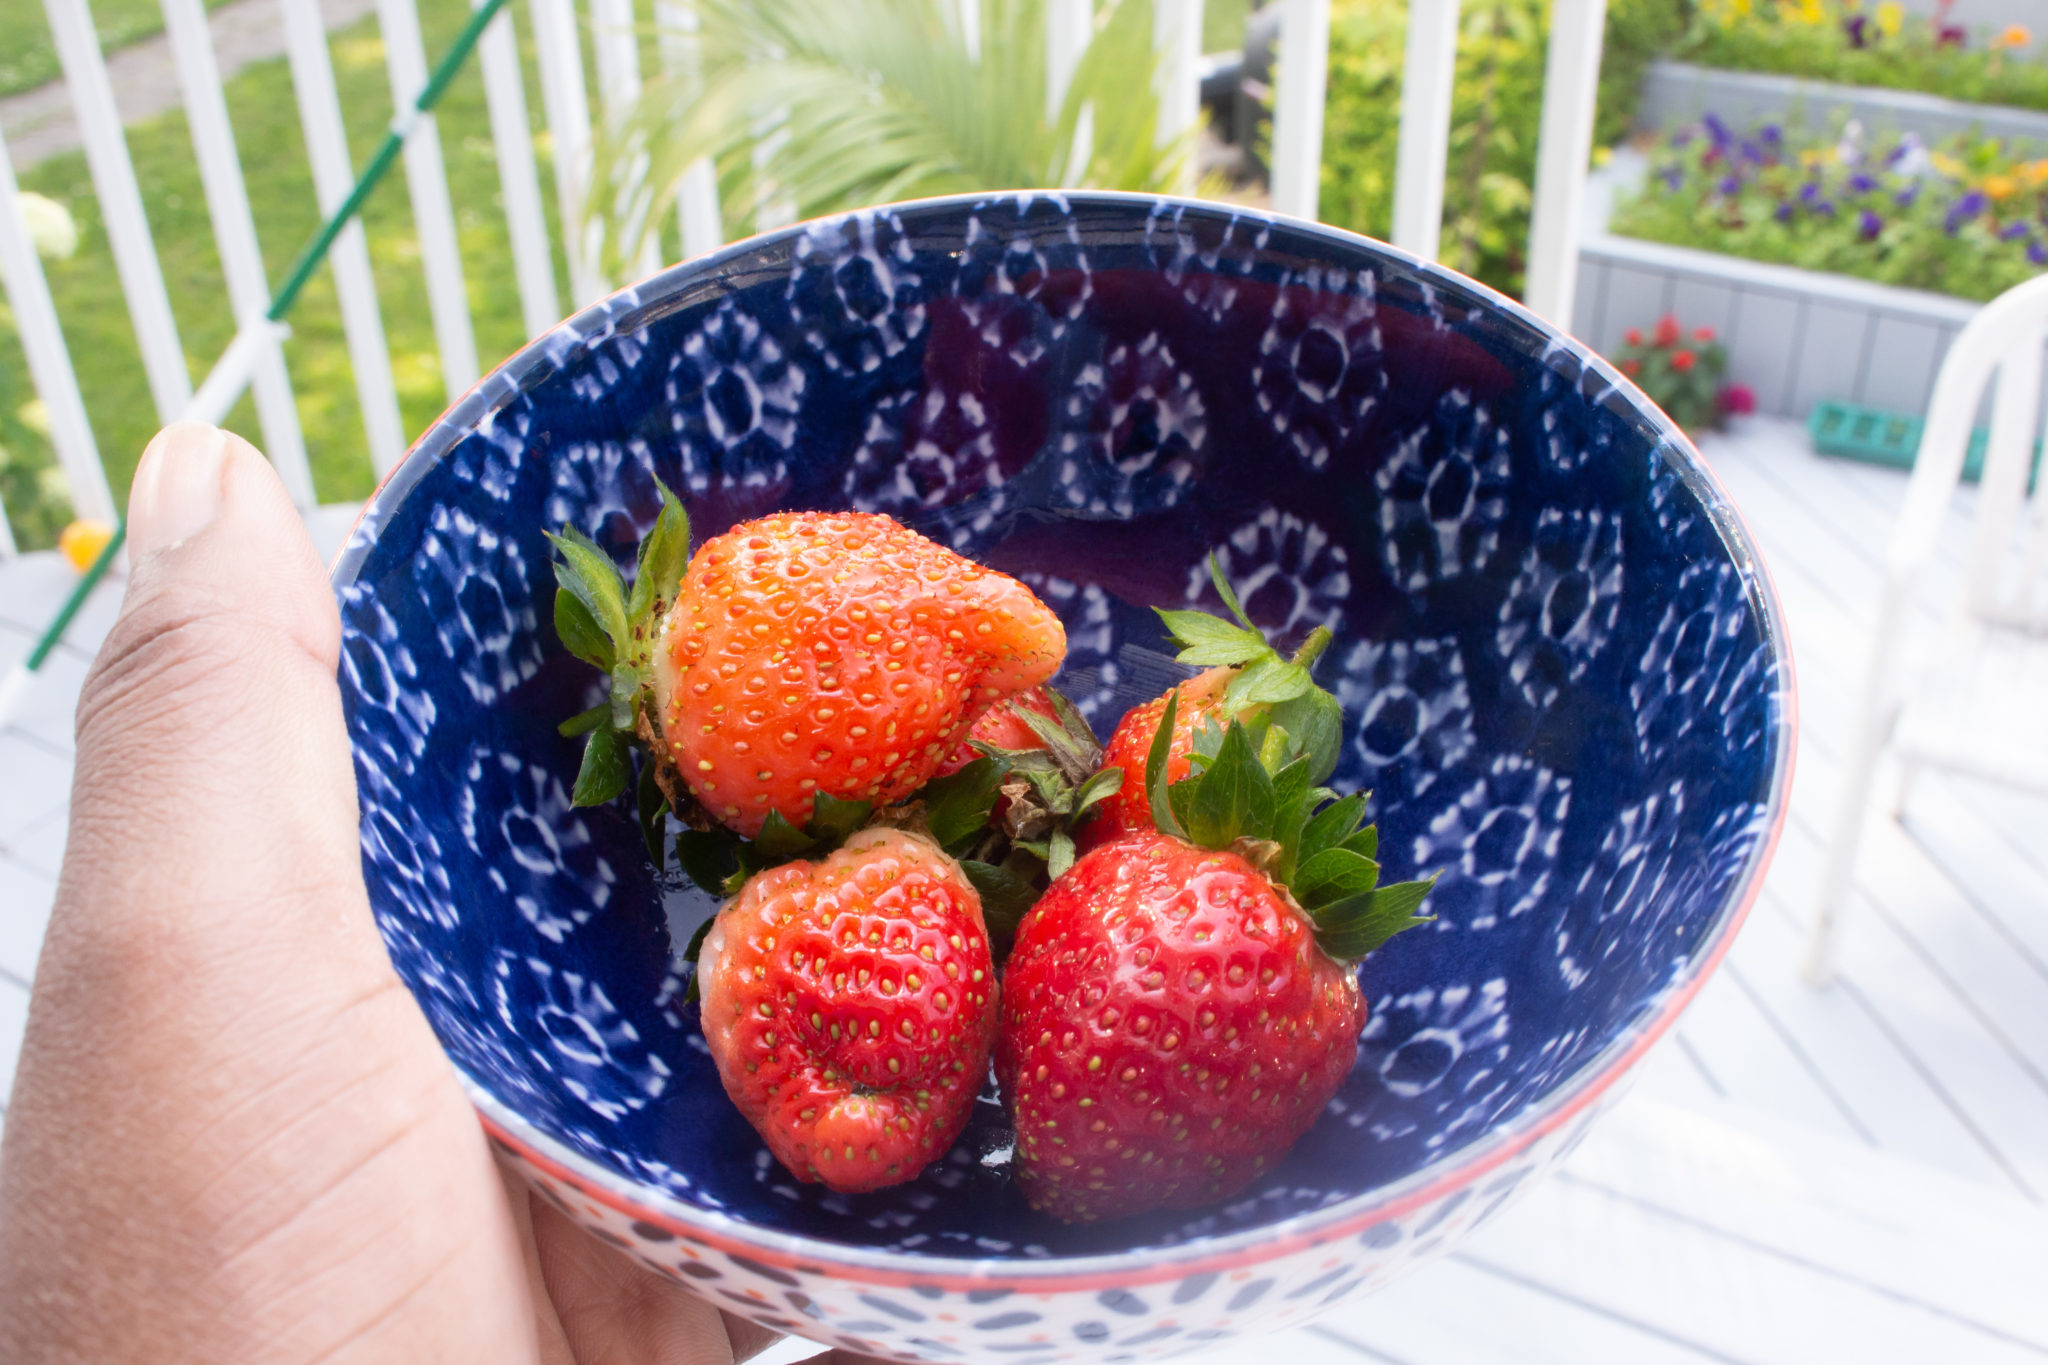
(803, 653)
(1183, 1002)
(1250, 682)
(1001, 727)
(850, 1005)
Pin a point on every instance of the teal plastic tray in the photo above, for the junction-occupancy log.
(1873, 436)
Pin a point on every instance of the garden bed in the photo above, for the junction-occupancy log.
(1676, 93)
(1794, 337)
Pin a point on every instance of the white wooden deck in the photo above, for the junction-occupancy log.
(1859, 1174)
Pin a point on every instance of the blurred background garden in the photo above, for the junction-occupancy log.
(872, 104)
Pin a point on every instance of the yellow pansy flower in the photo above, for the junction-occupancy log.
(1891, 17)
(2000, 186)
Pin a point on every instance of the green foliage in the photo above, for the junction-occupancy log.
(28, 54)
(1681, 373)
(1638, 33)
(613, 631)
(1496, 110)
(1322, 857)
(1864, 44)
(1968, 218)
(879, 100)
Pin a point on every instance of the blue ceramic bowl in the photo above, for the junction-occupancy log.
(1564, 670)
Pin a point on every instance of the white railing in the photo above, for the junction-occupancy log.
(568, 118)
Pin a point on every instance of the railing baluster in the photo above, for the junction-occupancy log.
(1298, 106)
(533, 261)
(567, 103)
(970, 29)
(618, 81)
(697, 207)
(426, 179)
(1571, 85)
(1068, 26)
(1177, 35)
(234, 234)
(113, 184)
(49, 360)
(1428, 74)
(333, 176)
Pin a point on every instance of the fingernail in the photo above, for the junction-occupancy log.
(178, 487)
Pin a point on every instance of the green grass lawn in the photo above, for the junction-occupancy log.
(260, 101)
(28, 57)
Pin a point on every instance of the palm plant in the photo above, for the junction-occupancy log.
(860, 102)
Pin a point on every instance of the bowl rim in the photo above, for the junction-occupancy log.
(1459, 1168)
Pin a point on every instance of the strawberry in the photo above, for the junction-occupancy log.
(850, 1005)
(1001, 727)
(1183, 1002)
(800, 653)
(1250, 682)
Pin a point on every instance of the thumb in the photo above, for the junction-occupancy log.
(230, 1116)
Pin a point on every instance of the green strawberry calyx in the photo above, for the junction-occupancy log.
(1308, 841)
(1266, 688)
(1051, 789)
(615, 630)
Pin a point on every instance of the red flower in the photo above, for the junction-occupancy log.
(1702, 334)
(1683, 361)
(1738, 399)
(1634, 336)
(1667, 330)
(1631, 368)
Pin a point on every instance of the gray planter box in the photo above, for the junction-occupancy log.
(1794, 336)
(1676, 93)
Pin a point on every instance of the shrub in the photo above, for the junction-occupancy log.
(1968, 218)
(1681, 372)
(1497, 108)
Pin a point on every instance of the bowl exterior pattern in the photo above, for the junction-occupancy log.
(1566, 684)
(929, 1321)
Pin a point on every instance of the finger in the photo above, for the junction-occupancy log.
(551, 1342)
(229, 1116)
(748, 1339)
(616, 1312)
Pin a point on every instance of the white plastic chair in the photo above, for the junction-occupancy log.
(1980, 705)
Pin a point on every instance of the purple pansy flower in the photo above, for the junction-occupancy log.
(1907, 195)
(2037, 253)
(1784, 213)
(1964, 209)
(1860, 183)
(1730, 185)
(2012, 232)
(1869, 225)
(1772, 134)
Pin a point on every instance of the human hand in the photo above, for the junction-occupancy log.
(233, 1136)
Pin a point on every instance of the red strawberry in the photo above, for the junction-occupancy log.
(1128, 809)
(1250, 682)
(803, 653)
(1001, 727)
(850, 1005)
(1182, 1003)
